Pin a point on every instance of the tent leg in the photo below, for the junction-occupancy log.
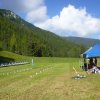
(87, 66)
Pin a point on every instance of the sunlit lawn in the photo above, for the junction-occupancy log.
(48, 79)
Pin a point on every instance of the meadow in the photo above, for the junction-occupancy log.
(49, 78)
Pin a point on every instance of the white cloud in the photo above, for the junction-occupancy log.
(35, 10)
(72, 21)
(37, 15)
(21, 5)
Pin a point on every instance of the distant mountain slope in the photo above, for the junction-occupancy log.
(83, 41)
(19, 36)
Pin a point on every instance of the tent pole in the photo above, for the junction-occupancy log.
(96, 61)
(87, 65)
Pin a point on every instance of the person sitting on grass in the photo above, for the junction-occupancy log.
(95, 69)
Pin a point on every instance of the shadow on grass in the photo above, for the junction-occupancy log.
(6, 59)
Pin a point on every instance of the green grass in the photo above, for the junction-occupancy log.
(13, 56)
(49, 79)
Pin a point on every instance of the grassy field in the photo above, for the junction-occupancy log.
(48, 79)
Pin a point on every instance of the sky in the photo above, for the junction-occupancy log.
(79, 18)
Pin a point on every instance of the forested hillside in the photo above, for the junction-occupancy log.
(21, 37)
(83, 41)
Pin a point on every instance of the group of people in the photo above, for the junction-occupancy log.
(91, 65)
(95, 70)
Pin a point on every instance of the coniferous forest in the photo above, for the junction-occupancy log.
(21, 37)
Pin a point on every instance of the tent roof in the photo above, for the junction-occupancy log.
(92, 52)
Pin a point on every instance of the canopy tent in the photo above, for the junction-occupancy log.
(92, 52)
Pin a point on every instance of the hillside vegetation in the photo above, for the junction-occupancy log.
(87, 42)
(6, 56)
(21, 37)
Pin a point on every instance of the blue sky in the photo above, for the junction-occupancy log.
(63, 17)
(54, 6)
(92, 6)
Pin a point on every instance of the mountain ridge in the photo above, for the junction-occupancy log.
(83, 41)
(19, 36)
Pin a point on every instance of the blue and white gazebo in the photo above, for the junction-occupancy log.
(92, 52)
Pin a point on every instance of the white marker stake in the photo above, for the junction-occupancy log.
(36, 73)
(31, 76)
(76, 71)
(32, 62)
